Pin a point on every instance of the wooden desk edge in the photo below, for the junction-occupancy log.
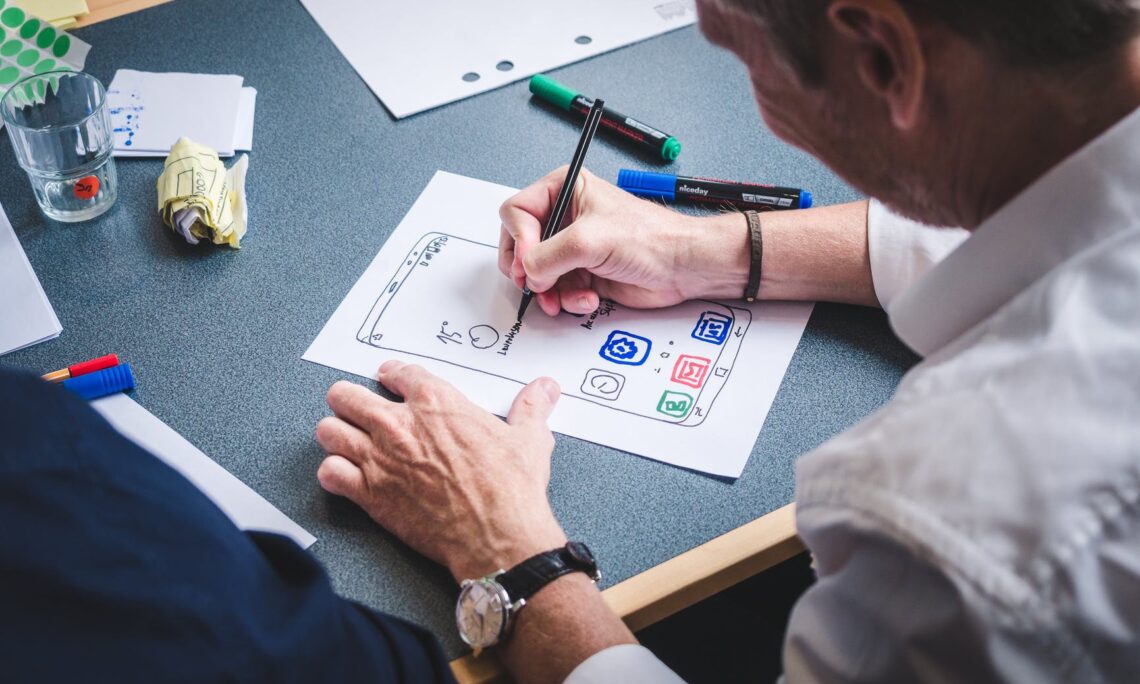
(102, 10)
(680, 582)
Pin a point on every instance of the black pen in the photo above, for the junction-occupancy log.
(554, 223)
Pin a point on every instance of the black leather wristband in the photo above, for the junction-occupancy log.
(756, 256)
(528, 577)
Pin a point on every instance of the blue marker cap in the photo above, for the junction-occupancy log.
(805, 199)
(101, 383)
(648, 184)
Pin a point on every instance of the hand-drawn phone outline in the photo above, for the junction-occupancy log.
(432, 243)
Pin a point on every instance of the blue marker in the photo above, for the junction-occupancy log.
(101, 383)
(672, 188)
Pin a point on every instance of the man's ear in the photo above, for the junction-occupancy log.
(888, 53)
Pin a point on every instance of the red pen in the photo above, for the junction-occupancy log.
(82, 368)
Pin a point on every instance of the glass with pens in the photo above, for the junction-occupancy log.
(61, 133)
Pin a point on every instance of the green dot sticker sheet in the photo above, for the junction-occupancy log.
(30, 46)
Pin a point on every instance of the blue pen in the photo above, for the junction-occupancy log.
(672, 188)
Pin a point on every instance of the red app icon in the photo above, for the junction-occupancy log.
(691, 370)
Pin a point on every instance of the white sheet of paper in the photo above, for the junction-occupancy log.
(243, 131)
(26, 315)
(417, 55)
(690, 385)
(240, 503)
(151, 111)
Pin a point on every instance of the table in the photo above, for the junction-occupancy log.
(216, 336)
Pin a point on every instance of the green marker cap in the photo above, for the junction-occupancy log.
(552, 91)
(670, 149)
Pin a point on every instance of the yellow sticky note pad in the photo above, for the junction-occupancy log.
(194, 178)
(54, 9)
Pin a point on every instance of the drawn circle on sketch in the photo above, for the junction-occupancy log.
(28, 57)
(10, 48)
(46, 38)
(605, 384)
(505, 65)
(12, 17)
(46, 65)
(470, 77)
(86, 187)
(483, 336)
(583, 40)
(30, 28)
(9, 74)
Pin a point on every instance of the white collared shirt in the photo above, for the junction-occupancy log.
(985, 523)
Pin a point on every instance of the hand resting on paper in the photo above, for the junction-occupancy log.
(618, 246)
(469, 491)
(451, 480)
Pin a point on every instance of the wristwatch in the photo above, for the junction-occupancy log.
(487, 606)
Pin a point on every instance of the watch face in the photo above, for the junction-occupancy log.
(580, 553)
(481, 613)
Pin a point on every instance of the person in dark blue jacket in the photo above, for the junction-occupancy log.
(113, 567)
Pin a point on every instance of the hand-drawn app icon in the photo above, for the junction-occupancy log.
(675, 404)
(483, 336)
(712, 327)
(603, 384)
(625, 348)
(691, 370)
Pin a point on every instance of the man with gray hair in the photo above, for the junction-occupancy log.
(985, 523)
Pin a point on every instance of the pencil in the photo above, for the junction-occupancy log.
(554, 223)
(77, 369)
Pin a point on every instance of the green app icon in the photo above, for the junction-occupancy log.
(675, 404)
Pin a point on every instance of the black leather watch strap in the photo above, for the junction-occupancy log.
(528, 577)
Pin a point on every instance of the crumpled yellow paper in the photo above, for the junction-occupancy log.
(199, 198)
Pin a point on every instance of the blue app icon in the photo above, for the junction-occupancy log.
(625, 348)
(712, 327)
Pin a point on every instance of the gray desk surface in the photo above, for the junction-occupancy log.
(216, 336)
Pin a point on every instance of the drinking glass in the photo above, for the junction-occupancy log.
(61, 133)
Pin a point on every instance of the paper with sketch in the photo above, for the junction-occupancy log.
(151, 111)
(419, 55)
(26, 315)
(240, 503)
(690, 385)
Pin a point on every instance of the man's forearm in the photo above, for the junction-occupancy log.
(561, 626)
(811, 254)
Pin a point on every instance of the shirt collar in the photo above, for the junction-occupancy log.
(1081, 201)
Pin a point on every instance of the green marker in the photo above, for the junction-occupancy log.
(629, 129)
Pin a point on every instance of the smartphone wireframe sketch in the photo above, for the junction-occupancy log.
(448, 302)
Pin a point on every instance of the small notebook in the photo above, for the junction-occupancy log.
(151, 111)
